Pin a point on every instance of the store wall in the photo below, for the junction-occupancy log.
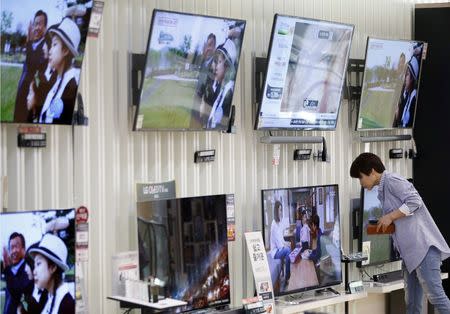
(98, 165)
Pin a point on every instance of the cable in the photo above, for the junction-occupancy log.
(367, 274)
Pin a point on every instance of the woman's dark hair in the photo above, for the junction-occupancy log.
(364, 163)
(276, 214)
(57, 277)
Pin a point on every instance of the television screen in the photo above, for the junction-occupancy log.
(183, 242)
(190, 72)
(390, 84)
(378, 248)
(305, 74)
(38, 259)
(42, 48)
(302, 237)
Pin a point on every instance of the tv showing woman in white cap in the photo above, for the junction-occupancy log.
(390, 84)
(37, 262)
(42, 47)
(191, 66)
(50, 263)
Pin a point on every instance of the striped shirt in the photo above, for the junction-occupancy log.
(416, 232)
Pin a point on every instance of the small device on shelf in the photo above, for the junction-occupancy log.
(389, 276)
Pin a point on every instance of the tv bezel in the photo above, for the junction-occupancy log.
(258, 111)
(188, 308)
(362, 87)
(360, 237)
(334, 283)
(145, 63)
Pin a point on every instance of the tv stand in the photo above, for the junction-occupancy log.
(329, 289)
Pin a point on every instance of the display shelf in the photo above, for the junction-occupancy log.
(163, 304)
(309, 305)
(377, 287)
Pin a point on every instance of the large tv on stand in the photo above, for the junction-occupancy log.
(302, 237)
(379, 248)
(41, 54)
(190, 72)
(183, 242)
(305, 74)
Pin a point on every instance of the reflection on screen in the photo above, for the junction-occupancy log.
(305, 74)
(183, 242)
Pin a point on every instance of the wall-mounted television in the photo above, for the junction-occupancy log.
(302, 237)
(190, 72)
(305, 74)
(29, 240)
(390, 85)
(42, 47)
(183, 242)
(378, 248)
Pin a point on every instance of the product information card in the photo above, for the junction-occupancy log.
(260, 266)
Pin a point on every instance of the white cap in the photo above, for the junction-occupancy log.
(228, 48)
(53, 248)
(69, 33)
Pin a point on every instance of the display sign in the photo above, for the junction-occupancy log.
(231, 221)
(260, 267)
(155, 191)
(96, 19)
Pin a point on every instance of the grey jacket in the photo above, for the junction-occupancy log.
(415, 233)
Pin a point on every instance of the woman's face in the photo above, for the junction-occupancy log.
(219, 71)
(42, 271)
(57, 52)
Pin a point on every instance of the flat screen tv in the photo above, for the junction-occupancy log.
(302, 237)
(190, 72)
(42, 47)
(183, 242)
(30, 240)
(305, 74)
(378, 248)
(390, 85)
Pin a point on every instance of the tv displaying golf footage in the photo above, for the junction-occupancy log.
(41, 52)
(305, 74)
(391, 84)
(190, 72)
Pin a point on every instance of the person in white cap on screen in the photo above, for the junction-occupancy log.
(60, 101)
(225, 71)
(404, 116)
(50, 257)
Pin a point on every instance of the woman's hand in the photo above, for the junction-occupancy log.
(384, 222)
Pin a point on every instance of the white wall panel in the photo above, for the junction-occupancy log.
(98, 165)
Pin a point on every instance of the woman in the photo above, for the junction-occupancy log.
(417, 238)
(278, 248)
(50, 257)
(60, 101)
(224, 72)
(404, 115)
